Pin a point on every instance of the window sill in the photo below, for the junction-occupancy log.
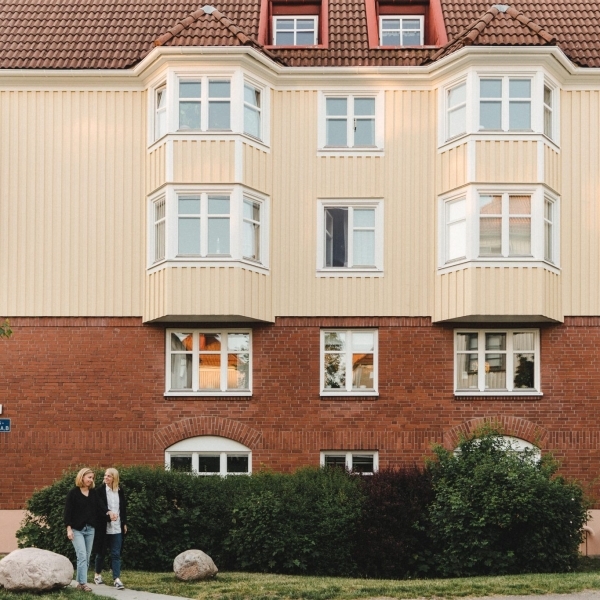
(210, 261)
(497, 394)
(213, 134)
(496, 135)
(211, 394)
(355, 151)
(349, 272)
(461, 264)
(355, 395)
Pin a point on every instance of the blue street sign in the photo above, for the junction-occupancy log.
(4, 425)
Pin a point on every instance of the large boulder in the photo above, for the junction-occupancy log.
(33, 569)
(194, 565)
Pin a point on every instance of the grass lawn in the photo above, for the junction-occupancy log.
(254, 586)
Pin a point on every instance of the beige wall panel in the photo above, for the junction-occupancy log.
(452, 168)
(580, 201)
(208, 291)
(257, 168)
(498, 291)
(552, 168)
(404, 177)
(506, 161)
(155, 168)
(202, 161)
(72, 179)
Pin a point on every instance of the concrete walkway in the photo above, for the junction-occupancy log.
(126, 594)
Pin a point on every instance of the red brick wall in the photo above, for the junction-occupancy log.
(90, 391)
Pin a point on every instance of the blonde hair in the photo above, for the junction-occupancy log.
(81, 475)
(115, 482)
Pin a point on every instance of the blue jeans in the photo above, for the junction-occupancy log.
(114, 541)
(82, 542)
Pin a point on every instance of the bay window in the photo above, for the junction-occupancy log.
(208, 362)
(252, 111)
(497, 361)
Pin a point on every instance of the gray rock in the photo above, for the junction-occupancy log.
(34, 569)
(194, 565)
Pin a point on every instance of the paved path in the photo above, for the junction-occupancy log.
(126, 594)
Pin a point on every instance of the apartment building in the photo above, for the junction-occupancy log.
(267, 233)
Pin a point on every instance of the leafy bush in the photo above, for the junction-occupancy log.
(393, 539)
(498, 511)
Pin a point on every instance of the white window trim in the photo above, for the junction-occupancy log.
(348, 456)
(420, 18)
(472, 78)
(324, 150)
(195, 363)
(315, 19)
(348, 391)
(471, 194)
(377, 270)
(237, 194)
(536, 391)
(209, 445)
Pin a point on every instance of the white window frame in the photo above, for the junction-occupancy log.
(481, 351)
(351, 149)
(256, 109)
(295, 30)
(195, 353)
(471, 193)
(351, 271)
(505, 101)
(160, 113)
(209, 445)
(455, 108)
(471, 78)
(237, 194)
(402, 18)
(159, 228)
(349, 391)
(349, 455)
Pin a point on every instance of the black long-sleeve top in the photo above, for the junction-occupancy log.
(82, 510)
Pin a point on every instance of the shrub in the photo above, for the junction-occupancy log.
(498, 511)
(393, 538)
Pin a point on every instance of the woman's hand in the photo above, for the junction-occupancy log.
(70, 533)
(113, 515)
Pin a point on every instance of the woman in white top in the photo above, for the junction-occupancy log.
(111, 537)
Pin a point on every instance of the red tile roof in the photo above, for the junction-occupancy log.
(117, 34)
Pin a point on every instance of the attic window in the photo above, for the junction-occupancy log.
(404, 30)
(295, 30)
(286, 23)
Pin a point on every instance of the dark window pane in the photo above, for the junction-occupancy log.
(362, 463)
(181, 463)
(335, 461)
(237, 464)
(209, 464)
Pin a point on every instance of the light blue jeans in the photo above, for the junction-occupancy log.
(82, 542)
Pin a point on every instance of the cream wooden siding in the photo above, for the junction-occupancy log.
(224, 292)
(498, 291)
(506, 161)
(404, 177)
(552, 168)
(451, 170)
(203, 161)
(580, 203)
(257, 168)
(156, 168)
(72, 187)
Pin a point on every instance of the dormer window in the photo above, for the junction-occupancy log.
(405, 30)
(295, 30)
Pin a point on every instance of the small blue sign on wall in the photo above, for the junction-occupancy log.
(4, 425)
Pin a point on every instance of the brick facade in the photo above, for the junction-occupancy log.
(90, 391)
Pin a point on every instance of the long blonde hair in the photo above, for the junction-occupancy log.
(82, 473)
(115, 482)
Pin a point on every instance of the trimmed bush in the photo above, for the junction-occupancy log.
(499, 511)
(393, 535)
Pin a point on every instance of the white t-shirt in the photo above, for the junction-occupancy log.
(113, 505)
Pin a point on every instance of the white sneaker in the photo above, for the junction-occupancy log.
(119, 584)
(98, 580)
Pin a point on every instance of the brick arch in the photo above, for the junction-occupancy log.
(512, 426)
(197, 426)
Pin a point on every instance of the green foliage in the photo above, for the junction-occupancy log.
(5, 330)
(498, 511)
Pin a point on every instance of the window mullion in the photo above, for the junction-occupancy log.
(223, 363)
(223, 464)
(195, 361)
(509, 361)
(195, 463)
(203, 224)
(349, 461)
(348, 361)
(350, 123)
(505, 225)
(481, 361)
(505, 104)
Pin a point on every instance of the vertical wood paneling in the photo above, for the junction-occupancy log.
(552, 168)
(506, 161)
(257, 168)
(203, 161)
(155, 168)
(452, 168)
(72, 183)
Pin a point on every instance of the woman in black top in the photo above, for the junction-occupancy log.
(82, 511)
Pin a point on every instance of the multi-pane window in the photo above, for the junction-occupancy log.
(350, 121)
(208, 361)
(203, 224)
(349, 361)
(160, 117)
(190, 104)
(358, 461)
(350, 237)
(219, 104)
(401, 31)
(295, 31)
(456, 110)
(549, 208)
(159, 228)
(504, 225)
(252, 111)
(456, 229)
(497, 361)
(251, 230)
(505, 104)
(548, 110)
(203, 104)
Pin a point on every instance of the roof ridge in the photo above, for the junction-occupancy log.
(207, 9)
(468, 35)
